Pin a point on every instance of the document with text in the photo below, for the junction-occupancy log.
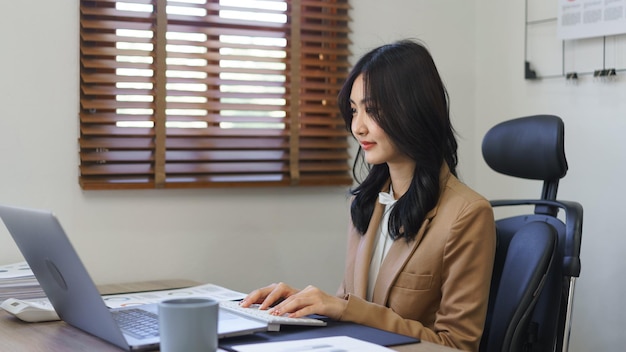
(323, 344)
(211, 291)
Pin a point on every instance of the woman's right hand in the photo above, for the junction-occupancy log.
(269, 295)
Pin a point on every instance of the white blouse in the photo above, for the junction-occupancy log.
(383, 243)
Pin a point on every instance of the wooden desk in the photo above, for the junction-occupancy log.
(57, 336)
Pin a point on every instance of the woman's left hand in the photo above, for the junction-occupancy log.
(310, 300)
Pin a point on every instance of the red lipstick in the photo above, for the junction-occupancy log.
(367, 145)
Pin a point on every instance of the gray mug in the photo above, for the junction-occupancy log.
(188, 324)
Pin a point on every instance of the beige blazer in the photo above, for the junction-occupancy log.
(436, 287)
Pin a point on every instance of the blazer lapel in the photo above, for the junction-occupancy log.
(400, 250)
(396, 259)
(364, 253)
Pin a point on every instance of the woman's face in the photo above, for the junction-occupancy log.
(376, 144)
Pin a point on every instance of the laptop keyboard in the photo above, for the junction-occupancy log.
(138, 323)
(142, 324)
(273, 321)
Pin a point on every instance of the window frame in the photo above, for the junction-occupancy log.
(312, 149)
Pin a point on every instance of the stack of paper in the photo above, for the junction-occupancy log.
(18, 281)
(211, 291)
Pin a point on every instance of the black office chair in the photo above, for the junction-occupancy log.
(537, 255)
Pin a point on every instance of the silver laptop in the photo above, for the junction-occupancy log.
(65, 280)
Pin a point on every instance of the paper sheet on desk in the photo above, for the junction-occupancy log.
(16, 270)
(215, 292)
(324, 344)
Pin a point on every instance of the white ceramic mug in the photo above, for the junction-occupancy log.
(188, 324)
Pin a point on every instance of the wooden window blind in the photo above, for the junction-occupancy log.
(212, 93)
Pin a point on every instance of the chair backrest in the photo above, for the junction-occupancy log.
(532, 148)
(522, 260)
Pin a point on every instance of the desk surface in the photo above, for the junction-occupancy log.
(58, 336)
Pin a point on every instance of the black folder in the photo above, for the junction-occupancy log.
(334, 328)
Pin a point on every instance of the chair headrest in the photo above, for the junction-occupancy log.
(530, 147)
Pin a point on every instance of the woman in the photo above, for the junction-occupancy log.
(421, 244)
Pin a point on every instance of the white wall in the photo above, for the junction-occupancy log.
(232, 236)
(594, 113)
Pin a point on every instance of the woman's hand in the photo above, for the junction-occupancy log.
(269, 295)
(295, 303)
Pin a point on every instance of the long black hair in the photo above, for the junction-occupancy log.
(410, 103)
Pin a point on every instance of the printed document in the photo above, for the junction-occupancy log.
(323, 344)
(211, 291)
